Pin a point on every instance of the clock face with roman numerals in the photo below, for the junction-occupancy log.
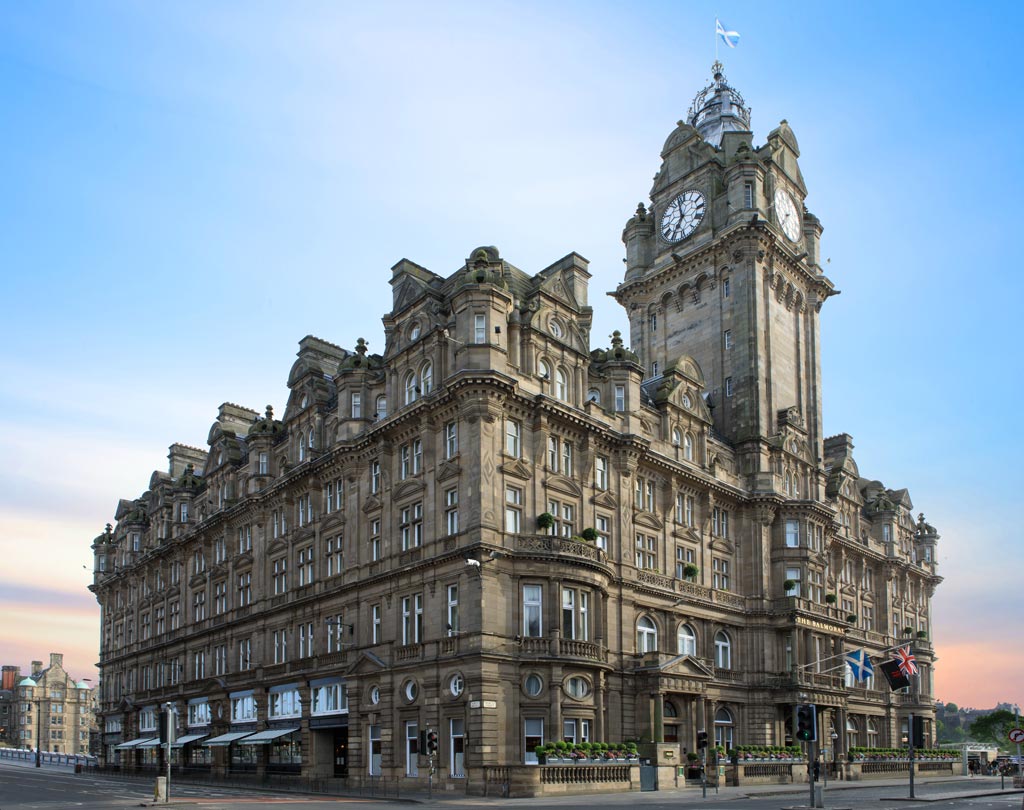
(682, 216)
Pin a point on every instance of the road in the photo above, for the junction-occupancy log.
(26, 788)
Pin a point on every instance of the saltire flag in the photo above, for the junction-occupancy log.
(905, 660)
(730, 38)
(893, 674)
(860, 665)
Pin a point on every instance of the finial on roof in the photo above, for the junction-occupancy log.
(616, 339)
(361, 346)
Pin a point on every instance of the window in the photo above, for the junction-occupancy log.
(720, 573)
(576, 614)
(513, 509)
(404, 462)
(564, 514)
(601, 472)
(286, 702)
(220, 659)
(280, 646)
(244, 539)
(357, 405)
(374, 477)
(220, 598)
(333, 496)
(723, 650)
(452, 599)
(728, 386)
(815, 586)
(457, 747)
(411, 526)
(451, 514)
(594, 395)
(306, 640)
(561, 385)
(533, 737)
(748, 195)
(646, 635)
(329, 698)
(451, 440)
(375, 541)
(381, 408)
(145, 632)
(867, 621)
(886, 533)
(412, 619)
(479, 328)
(335, 555)
(305, 566)
(725, 288)
(183, 513)
(175, 611)
(243, 709)
(620, 398)
(263, 467)
(199, 712)
(335, 632)
(646, 553)
(375, 619)
(793, 574)
(677, 437)
(684, 556)
(577, 687)
(553, 453)
(723, 728)
(198, 665)
(533, 685)
(688, 447)
(198, 606)
(792, 534)
(513, 438)
(686, 640)
(728, 339)
(280, 575)
(566, 457)
(603, 528)
(159, 622)
(244, 655)
(653, 320)
(426, 378)
(417, 456)
(720, 522)
(532, 607)
(374, 760)
(544, 371)
(244, 589)
(689, 510)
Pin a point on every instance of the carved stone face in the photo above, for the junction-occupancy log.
(682, 216)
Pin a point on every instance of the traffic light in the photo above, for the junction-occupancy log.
(807, 722)
(702, 739)
(431, 742)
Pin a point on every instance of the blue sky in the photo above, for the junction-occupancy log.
(192, 187)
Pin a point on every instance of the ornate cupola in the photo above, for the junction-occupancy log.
(717, 109)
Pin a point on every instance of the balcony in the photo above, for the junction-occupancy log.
(563, 648)
(564, 548)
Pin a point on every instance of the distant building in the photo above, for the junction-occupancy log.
(49, 708)
(495, 530)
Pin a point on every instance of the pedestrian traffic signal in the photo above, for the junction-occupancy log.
(702, 739)
(807, 722)
(431, 742)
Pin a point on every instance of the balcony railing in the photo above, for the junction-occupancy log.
(558, 547)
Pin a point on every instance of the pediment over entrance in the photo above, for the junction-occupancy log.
(680, 673)
(366, 664)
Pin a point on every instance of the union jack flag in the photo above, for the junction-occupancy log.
(905, 660)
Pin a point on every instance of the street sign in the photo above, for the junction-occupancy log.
(1016, 735)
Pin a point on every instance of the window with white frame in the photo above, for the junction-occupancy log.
(867, 618)
(381, 407)
(280, 645)
(244, 654)
(426, 378)
(646, 552)
(720, 522)
(220, 598)
(457, 748)
(357, 405)
(724, 728)
(411, 526)
(335, 632)
(334, 555)
(479, 328)
(685, 555)
(646, 635)
(245, 539)
(412, 619)
(727, 338)
(686, 640)
(513, 509)
(374, 761)
(198, 712)
(533, 604)
(329, 698)
(815, 586)
(198, 606)
(728, 386)
(533, 738)
(375, 623)
(220, 659)
(513, 438)
(620, 398)
(263, 464)
(375, 540)
(603, 528)
(688, 447)
(451, 440)
(723, 650)
(306, 640)
(576, 614)
(601, 472)
(452, 609)
(451, 511)
(199, 665)
(793, 575)
(244, 589)
(243, 709)
(374, 477)
(720, 573)
(279, 569)
(305, 565)
(284, 702)
(561, 385)
(565, 518)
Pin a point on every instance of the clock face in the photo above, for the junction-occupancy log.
(682, 216)
(786, 214)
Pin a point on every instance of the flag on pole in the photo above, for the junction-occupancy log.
(860, 665)
(895, 677)
(905, 660)
(730, 38)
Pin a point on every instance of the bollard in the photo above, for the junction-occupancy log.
(160, 789)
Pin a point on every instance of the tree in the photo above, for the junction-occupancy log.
(994, 727)
(947, 734)
(951, 708)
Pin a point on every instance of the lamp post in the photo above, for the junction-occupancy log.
(39, 731)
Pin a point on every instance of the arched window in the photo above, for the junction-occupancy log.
(302, 449)
(677, 437)
(544, 370)
(723, 728)
(688, 447)
(872, 727)
(410, 388)
(671, 725)
(646, 635)
(593, 395)
(427, 379)
(561, 385)
(723, 650)
(382, 406)
(686, 640)
(852, 733)
(311, 439)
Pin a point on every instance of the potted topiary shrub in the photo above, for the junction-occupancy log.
(545, 520)
(690, 571)
(922, 634)
(852, 618)
(542, 754)
(830, 598)
(789, 585)
(589, 534)
(908, 632)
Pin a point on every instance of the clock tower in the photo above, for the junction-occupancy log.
(723, 267)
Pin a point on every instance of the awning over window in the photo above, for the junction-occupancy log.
(267, 736)
(133, 743)
(227, 739)
(150, 743)
(188, 738)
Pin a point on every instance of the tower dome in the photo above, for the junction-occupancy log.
(718, 108)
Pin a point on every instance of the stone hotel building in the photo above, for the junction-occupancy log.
(497, 531)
